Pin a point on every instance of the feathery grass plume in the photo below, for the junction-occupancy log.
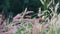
(42, 2)
(57, 6)
(39, 13)
(24, 12)
(17, 16)
(53, 2)
(29, 12)
(54, 25)
(49, 3)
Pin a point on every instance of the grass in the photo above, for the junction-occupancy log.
(34, 26)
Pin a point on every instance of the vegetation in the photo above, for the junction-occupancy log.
(48, 21)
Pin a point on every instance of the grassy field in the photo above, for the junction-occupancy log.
(47, 23)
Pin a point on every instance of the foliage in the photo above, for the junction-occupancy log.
(48, 24)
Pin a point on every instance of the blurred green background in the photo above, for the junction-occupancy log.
(13, 7)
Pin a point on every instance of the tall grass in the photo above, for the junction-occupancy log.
(35, 26)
